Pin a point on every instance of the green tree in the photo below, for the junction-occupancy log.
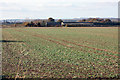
(83, 20)
(38, 24)
(32, 24)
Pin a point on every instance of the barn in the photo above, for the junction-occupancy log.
(76, 24)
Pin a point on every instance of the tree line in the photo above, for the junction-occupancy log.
(95, 21)
(40, 23)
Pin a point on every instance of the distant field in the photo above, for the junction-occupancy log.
(60, 52)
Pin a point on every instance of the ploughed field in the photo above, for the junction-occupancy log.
(60, 52)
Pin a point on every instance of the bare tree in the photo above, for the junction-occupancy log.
(51, 20)
(60, 20)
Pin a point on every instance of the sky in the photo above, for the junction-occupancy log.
(58, 9)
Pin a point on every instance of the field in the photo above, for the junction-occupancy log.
(60, 52)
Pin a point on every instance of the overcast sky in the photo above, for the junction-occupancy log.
(36, 9)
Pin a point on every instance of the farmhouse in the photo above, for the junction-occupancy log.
(75, 24)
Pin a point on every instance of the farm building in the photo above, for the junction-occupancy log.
(76, 24)
(51, 24)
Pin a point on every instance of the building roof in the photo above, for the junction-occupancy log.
(76, 22)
